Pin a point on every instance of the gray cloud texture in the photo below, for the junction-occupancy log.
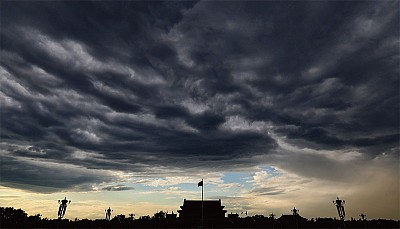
(117, 188)
(141, 86)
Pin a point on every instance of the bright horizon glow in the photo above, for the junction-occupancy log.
(155, 195)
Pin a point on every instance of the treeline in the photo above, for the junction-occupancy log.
(17, 218)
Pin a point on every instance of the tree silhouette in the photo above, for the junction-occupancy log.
(160, 215)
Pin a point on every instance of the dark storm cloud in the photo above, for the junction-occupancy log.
(47, 177)
(269, 191)
(117, 188)
(135, 86)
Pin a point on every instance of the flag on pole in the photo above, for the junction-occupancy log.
(202, 205)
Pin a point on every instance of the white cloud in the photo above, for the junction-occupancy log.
(176, 180)
(82, 155)
(85, 135)
(238, 123)
(193, 106)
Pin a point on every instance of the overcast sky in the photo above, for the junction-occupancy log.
(129, 104)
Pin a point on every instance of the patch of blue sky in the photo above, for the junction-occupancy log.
(213, 189)
(273, 172)
(239, 178)
(142, 187)
(188, 186)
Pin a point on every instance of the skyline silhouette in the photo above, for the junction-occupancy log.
(11, 218)
(200, 210)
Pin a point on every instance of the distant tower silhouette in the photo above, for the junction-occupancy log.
(131, 216)
(340, 207)
(108, 213)
(295, 211)
(63, 207)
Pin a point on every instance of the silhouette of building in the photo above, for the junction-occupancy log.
(291, 221)
(192, 209)
(170, 215)
(233, 216)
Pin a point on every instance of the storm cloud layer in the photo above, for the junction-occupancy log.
(150, 88)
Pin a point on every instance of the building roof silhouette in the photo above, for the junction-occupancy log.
(233, 216)
(170, 215)
(291, 218)
(192, 209)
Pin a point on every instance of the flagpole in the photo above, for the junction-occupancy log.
(202, 206)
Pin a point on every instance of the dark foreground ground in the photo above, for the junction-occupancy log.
(17, 218)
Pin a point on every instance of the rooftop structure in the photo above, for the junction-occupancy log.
(192, 209)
